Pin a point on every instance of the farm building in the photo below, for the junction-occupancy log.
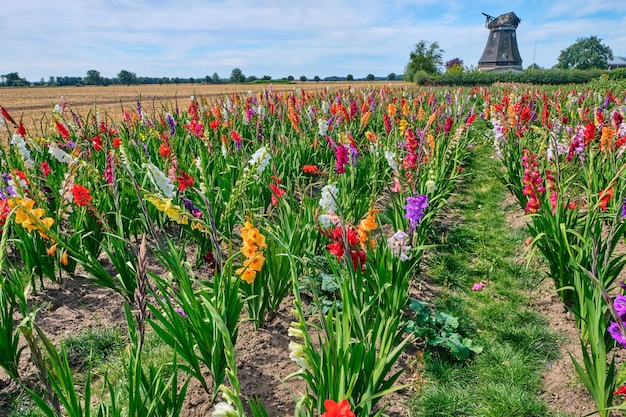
(617, 62)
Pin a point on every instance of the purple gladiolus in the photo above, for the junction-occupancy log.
(415, 209)
(616, 333)
(624, 209)
(171, 122)
(620, 306)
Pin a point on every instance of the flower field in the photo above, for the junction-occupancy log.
(217, 213)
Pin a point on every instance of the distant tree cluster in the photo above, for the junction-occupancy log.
(125, 77)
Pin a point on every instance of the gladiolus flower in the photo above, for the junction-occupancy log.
(64, 258)
(276, 193)
(605, 196)
(253, 245)
(45, 169)
(30, 217)
(366, 225)
(415, 209)
(164, 150)
(62, 130)
(97, 143)
(311, 169)
(117, 142)
(335, 409)
(621, 390)
(81, 195)
(52, 250)
(7, 116)
(184, 180)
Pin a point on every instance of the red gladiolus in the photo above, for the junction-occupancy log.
(117, 142)
(62, 129)
(45, 169)
(311, 169)
(605, 196)
(97, 143)
(470, 120)
(617, 119)
(336, 249)
(276, 192)
(335, 409)
(164, 150)
(214, 124)
(4, 210)
(448, 125)
(184, 180)
(590, 133)
(81, 195)
(621, 390)
(7, 116)
(21, 130)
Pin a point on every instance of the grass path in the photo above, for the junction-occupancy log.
(479, 246)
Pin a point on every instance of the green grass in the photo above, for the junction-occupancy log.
(94, 346)
(505, 379)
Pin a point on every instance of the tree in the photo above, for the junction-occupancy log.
(13, 79)
(585, 53)
(236, 76)
(392, 76)
(93, 78)
(454, 65)
(533, 67)
(127, 77)
(317, 78)
(303, 78)
(350, 77)
(370, 77)
(290, 78)
(216, 78)
(425, 57)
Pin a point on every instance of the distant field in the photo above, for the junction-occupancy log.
(33, 105)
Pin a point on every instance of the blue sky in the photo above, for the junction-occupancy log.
(195, 38)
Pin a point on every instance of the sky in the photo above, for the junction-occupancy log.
(196, 38)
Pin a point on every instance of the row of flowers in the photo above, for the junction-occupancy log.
(563, 158)
(257, 187)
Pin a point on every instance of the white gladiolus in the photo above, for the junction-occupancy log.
(20, 144)
(60, 155)
(224, 409)
(328, 201)
(297, 354)
(398, 244)
(430, 186)
(391, 160)
(160, 180)
(260, 159)
(322, 126)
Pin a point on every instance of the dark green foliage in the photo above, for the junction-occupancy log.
(439, 329)
(424, 58)
(544, 77)
(585, 53)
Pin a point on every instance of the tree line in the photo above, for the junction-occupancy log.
(125, 77)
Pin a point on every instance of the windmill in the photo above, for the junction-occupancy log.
(501, 53)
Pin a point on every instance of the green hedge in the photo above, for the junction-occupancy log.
(539, 77)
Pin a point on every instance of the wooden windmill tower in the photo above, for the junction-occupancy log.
(501, 53)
